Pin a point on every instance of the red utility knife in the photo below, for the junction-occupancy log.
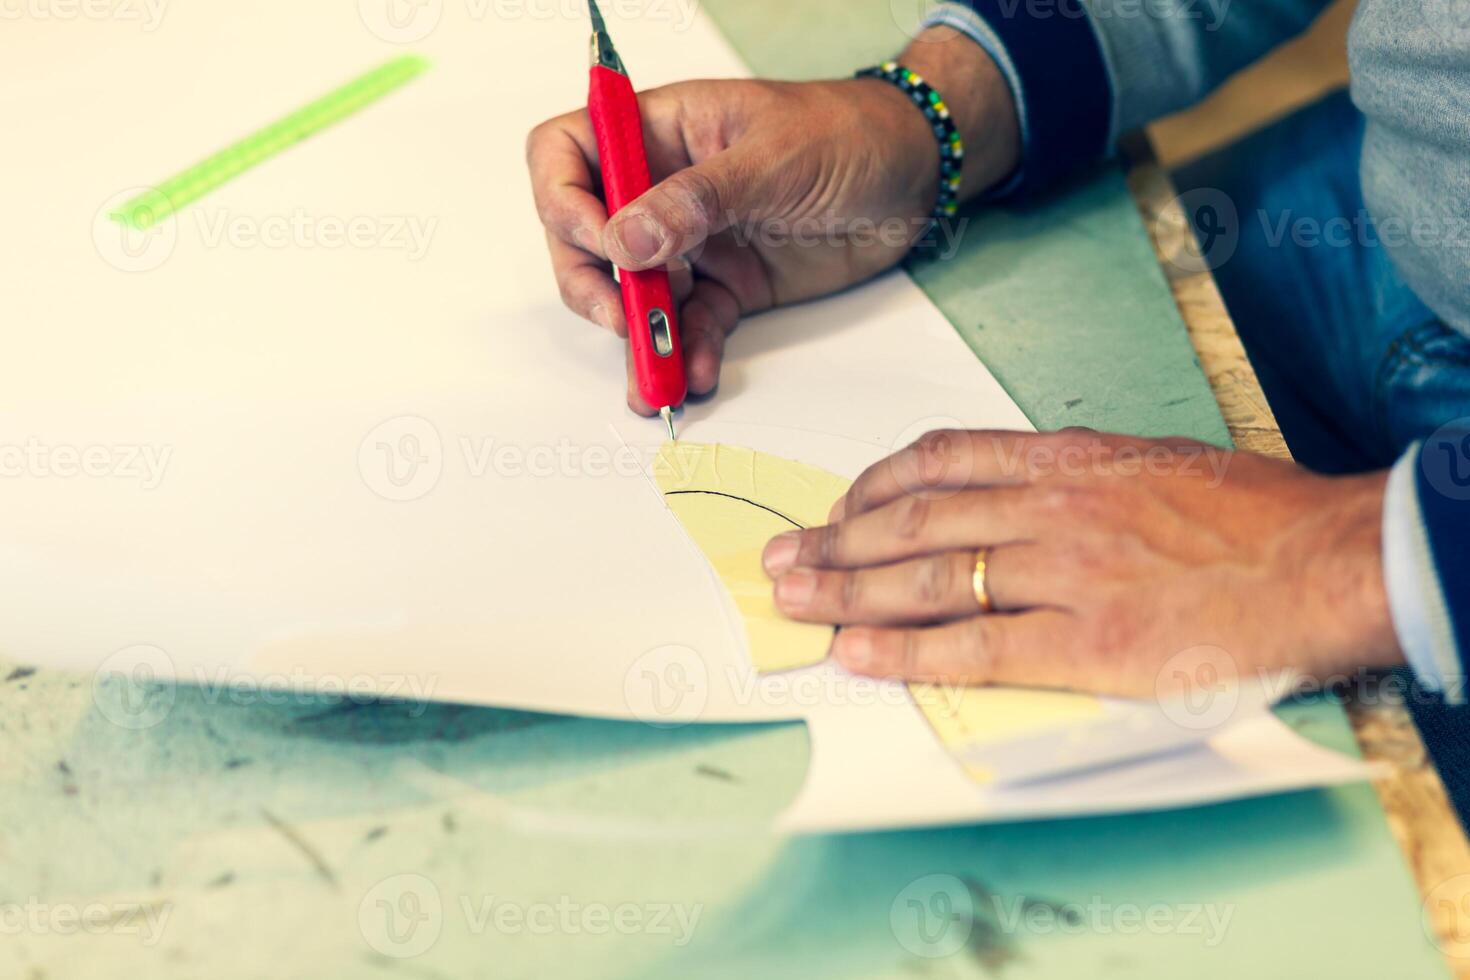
(653, 333)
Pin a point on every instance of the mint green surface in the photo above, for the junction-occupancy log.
(315, 838)
(157, 203)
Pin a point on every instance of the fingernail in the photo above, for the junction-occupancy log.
(601, 317)
(641, 237)
(796, 588)
(781, 552)
(854, 649)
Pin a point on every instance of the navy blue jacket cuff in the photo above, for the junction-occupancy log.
(1443, 477)
(1066, 93)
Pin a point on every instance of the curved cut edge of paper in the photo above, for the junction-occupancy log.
(732, 501)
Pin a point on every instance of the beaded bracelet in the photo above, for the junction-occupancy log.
(951, 147)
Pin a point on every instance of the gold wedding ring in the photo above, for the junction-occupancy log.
(977, 581)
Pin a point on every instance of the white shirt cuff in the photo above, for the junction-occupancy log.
(1421, 619)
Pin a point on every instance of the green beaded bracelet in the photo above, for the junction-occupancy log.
(951, 147)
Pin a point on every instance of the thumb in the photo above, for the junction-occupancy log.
(674, 217)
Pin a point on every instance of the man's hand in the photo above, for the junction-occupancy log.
(769, 193)
(1108, 556)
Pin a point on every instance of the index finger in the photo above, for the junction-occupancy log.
(940, 462)
(946, 461)
(561, 154)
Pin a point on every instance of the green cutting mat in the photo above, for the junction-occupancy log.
(318, 839)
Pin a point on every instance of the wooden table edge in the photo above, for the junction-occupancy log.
(1413, 797)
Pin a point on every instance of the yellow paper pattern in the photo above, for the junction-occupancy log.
(733, 500)
(975, 716)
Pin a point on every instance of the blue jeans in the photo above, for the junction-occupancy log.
(1354, 365)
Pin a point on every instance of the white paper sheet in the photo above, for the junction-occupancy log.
(396, 463)
(903, 777)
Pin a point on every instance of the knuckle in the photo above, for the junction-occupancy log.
(857, 495)
(692, 200)
(1116, 631)
(936, 457)
(534, 139)
(1076, 561)
(569, 289)
(911, 517)
(937, 445)
(555, 214)
(850, 593)
(1055, 501)
(818, 546)
(564, 288)
(1074, 436)
(910, 654)
(1079, 506)
(934, 580)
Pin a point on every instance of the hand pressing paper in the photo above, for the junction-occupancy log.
(948, 754)
(733, 500)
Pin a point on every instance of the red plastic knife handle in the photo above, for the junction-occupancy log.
(653, 329)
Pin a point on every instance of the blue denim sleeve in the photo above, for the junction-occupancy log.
(1083, 72)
